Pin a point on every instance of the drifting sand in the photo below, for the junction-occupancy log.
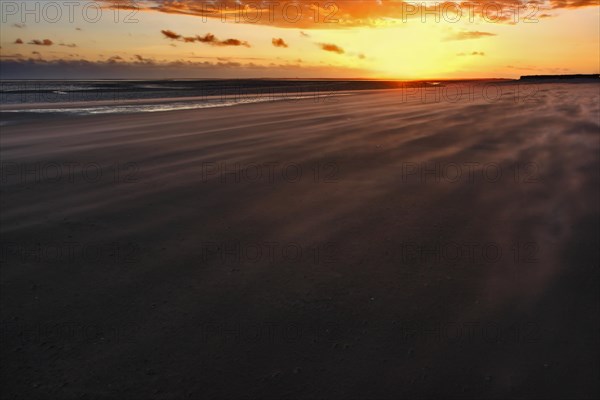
(344, 282)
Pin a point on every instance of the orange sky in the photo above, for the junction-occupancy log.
(309, 39)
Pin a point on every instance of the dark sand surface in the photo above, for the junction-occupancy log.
(145, 306)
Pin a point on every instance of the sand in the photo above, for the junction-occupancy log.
(373, 245)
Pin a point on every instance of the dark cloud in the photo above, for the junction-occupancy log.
(45, 42)
(332, 48)
(20, 26)
(209, 38)
(115, 59)
(278, 42)
(170, 34)
(475, 53)
(233, 42)
(18, 41)
(139, 59)
(467, 35)
(117, 68)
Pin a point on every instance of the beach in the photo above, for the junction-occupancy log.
(377, 244)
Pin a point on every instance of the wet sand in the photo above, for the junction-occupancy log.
(366, 246)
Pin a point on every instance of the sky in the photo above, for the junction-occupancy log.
(374, 39)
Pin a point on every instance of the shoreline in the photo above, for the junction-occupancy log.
(215, 101)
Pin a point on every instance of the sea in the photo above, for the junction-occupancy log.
(113, 97)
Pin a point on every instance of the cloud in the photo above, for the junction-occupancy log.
(170, 34)
(15, 55)
(45, 42)
(233, 42)
(278, 42)
(72, 45)
(475, 53)
(141, 60)
(18, 41)
(522, 68)
(468, 35)
(132, 69)
(332, 48)
(209, 38)
(20, 26)
(301, 14)
(115, 59)
(304, 34)
(573, 3)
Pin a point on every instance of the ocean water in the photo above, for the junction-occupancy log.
(102, 97)
(140, 108)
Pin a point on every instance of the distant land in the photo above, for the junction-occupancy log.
(577, 77)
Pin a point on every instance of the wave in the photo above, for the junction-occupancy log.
(151, 108)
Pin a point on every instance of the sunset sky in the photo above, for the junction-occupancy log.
(306, 39)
